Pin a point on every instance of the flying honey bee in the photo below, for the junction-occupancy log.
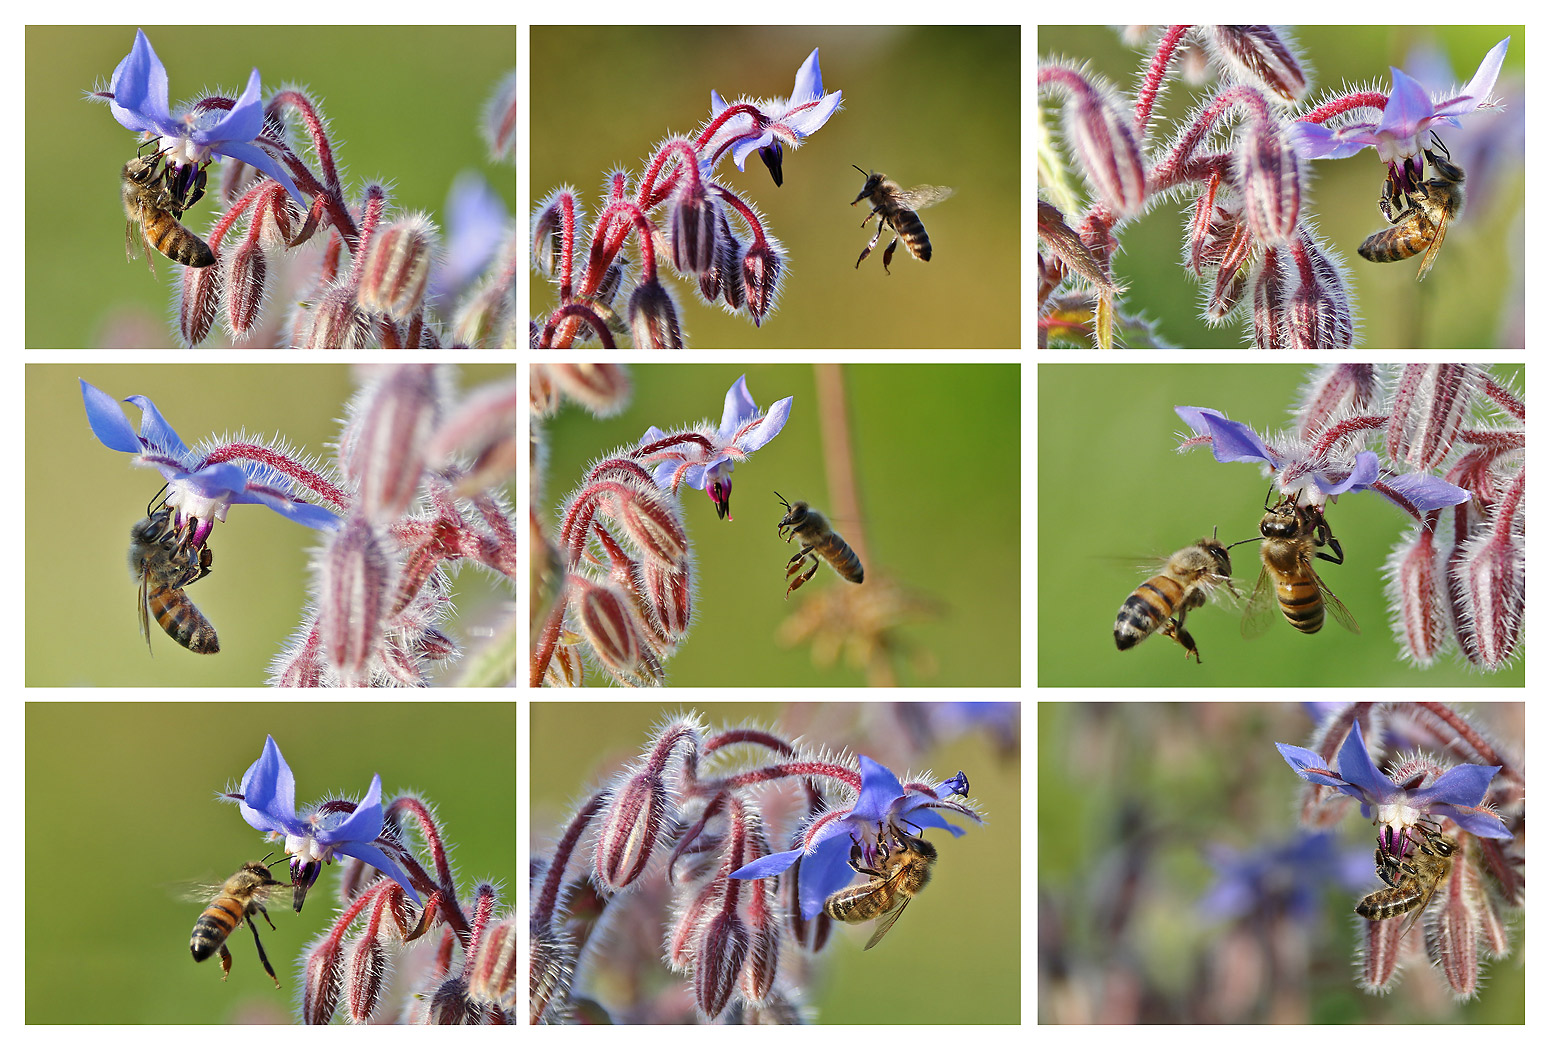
(151, 201)
(896, 207)
(903, 871)
(242, 897)
(1186, 581)
(1432, 206)
(1411, 879)
(817, 538)
(164, 560)
(1292, 534)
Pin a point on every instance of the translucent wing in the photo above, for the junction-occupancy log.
(1336, 608)
(1434, 248)
(885, 924)
(145, 611)
(924, 196)
(1262, 608)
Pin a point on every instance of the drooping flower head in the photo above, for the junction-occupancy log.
(312, 839)
(883, 802)
(1315, 471)
(768, 123)
(199, 486)
(192, 138)
(702, 457)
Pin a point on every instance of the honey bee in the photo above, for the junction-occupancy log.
(1186, 581)
(241, 898)
(1292, 534)
(903, 871)
(1432, 206)
(164, 560)
(151, 200)
(818, 538)
(1411, 879)
(896, 207)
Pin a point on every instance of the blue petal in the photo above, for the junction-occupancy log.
(269, 792)
(368, 852)
(364, 824)
(737, 408)
(809, 81)
(768, 427)
(251, 154)
(764, 867)
(108, 421)
(155, 430)
(809, 119)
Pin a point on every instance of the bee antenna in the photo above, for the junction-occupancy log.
(863, 171)
(154, 499)
(1240, 543)
(782, 499)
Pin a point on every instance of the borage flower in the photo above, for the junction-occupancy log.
(1455, 793)
(1318, 471)
(199, 486)
(268, 802)
(882, 805)
(703, 458)
(770, 122)
(1408, 117)
(191, 139)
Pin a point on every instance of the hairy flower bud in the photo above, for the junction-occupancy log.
(760, 279)
(632, 825)
(654, 318)
(397, 266)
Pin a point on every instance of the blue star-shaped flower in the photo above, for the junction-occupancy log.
(788, 120)
(268, 803)
(882, 801)
(139, 102)
(194, 489)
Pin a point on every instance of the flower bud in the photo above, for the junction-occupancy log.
(364, 972)
(693, 231)
(245, 294)
(654, 318)
(761, 278)
(397, 267)
(631, 829)
(719, 960)
(1430, 403)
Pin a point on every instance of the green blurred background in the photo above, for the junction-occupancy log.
(1115, 497)
(403, 103)
(1484, 249)
(1129, 798)
(84, 498)
(120, 814)
(922, 105)
(938, 466)
(968, 921)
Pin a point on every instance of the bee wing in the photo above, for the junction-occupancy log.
(145, 610)
(885, 924)
(919, 197)
(1336, 608)
(1433, 248)
(1260, 612)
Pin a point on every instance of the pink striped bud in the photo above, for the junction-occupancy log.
(669, 597)
(1335, 391)
(245, 291)
(719, 960)
(365, 969)
(1262, 56)
(1415, 591)
(355, 587)
(632, 827)
(1270, 180)
(1430, 404)
(1105, 147)
(1492, 571)
(200, 303)
(320, 982)
(385, 451)
(654, 318)
(651, 519)
(397, 267)
(693, 231)
(607, 620)
(761, 278)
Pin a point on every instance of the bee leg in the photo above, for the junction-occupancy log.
(888, 255)
(261, 956)
(1175, 629)
(870, 244)
(803, 578)
(225, 962)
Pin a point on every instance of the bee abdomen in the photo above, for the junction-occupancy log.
(1150, 604)
(179, 245)
(913, 232)
(844, 560)
(212, 929)
(1303, 607)
(183, 622)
